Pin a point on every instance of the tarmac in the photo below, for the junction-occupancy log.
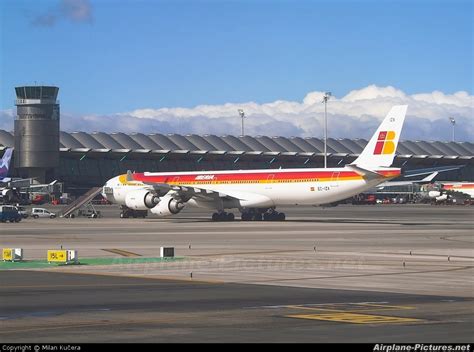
(383, 273)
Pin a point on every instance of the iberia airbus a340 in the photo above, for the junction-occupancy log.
(257, 193)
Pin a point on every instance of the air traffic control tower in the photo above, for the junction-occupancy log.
(37, 132)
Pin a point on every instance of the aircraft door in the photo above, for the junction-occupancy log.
(335, 179)
(269, 183)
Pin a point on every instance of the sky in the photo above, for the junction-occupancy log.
(187, 66)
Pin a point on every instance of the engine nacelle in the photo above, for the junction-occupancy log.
(141, 200)
(168, 206)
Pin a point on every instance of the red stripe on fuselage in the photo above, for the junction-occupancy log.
(256, 176)
(458, 185)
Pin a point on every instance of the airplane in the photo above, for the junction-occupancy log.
(257, 193)
(462, 187)
(10, 190)
(431, 172)
(5, 165)
(427, 179)
(443, 191)
(7, 194)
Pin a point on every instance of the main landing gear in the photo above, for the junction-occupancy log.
(251, 215)
(222, 216)
(258, 215)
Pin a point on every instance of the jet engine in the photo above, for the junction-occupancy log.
(168, 206)
(9, 195)
(434, 194)
(141, 200)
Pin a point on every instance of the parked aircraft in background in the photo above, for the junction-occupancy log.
(462, 187)
(10, 187)
(257, 193)
(431, 172)
(443, 191)
(5, 165)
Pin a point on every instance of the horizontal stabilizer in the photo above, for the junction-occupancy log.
(367, 174)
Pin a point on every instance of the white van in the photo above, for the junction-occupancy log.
(42, 213)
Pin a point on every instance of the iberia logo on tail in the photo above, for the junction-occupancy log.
(385, 144)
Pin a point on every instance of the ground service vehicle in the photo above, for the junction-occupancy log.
(9, 213)
(42, 213)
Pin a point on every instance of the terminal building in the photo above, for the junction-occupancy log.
(83, 160)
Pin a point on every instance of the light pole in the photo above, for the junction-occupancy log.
(453, 122)
(242, 115)
(326, 97)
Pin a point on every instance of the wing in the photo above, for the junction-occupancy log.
(181, 192)
(185, 193)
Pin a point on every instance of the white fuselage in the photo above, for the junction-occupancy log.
(268, 188)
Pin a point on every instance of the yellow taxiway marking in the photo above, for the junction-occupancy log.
(122, 252)
(351, 307)
(353, 318)
(352, 313)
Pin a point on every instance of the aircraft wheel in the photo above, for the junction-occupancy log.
(281, 217)
(215, 217)
(271, 216)
(230, 217)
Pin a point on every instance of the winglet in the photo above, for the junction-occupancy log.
(430, 177)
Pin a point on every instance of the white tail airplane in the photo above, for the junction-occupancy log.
(256, 193)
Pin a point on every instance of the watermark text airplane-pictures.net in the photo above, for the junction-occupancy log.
(257, 193)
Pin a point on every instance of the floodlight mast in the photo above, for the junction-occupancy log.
(326, 97)
(453, 122)
(242, 115)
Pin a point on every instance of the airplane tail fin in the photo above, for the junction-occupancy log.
(5, 162)
(380, 151)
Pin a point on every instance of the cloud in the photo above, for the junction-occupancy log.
(77, 10)
(6, 119)
(355, 115)
(73, 10)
